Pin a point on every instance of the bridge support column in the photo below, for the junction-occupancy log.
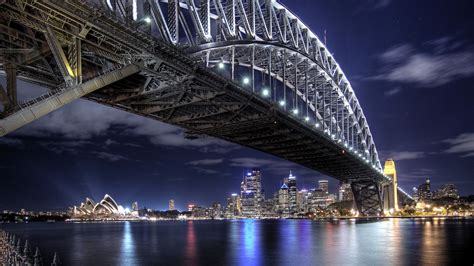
(367, 198)
(9, 97)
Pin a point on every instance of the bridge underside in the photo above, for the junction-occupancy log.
(227, 112)
(77, 49)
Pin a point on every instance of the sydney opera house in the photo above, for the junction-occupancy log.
(106, 208)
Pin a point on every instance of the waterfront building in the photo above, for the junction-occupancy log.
(251, 194)
(106, 208)
(292, 194)
(390, 191)
(345, 192)
(171, 205)
(283, 200)
(233, 208)
(302, 200)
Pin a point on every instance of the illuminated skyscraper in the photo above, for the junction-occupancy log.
(171, 205)
(292, 191)
(251, 194)
(345, 192)
(233, 208)
(324, 185)
(391, 191)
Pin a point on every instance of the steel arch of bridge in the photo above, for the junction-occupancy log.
(154, 69)
(267, 38)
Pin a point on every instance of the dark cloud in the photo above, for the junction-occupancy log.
(442, 65)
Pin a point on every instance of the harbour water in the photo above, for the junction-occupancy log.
(431, 241)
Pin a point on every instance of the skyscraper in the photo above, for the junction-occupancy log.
(324, 185)
(233, 208)
(424, 190)
(283, 200)
(391, 197)
(292, 194)
(171, 205)
(345, 192)
(251, 194)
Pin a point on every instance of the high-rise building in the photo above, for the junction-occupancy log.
(302, 200)
(233, 208)
(171, 205)
(292, 194)
(345, 192)
(283, 200)
(391, 191)
(251, 194)
(324, 185)
(424, 191)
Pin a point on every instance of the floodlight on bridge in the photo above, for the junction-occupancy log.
(317, 125)
(306, 119)
(246, 80)
(265, 92)
(295, 111)
(282, 103)
(147, 20)
(220, 65)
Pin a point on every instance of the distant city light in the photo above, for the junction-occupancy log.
(147, 20)
(234, 194)
(249, 174)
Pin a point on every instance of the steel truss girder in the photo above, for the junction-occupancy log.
(367, 197)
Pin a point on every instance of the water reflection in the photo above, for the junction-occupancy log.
(255, 242)
(191, 250)
(127, 254)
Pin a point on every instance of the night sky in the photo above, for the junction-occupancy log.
(411, 64)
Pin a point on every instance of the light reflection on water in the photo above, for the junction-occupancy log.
(255, 242)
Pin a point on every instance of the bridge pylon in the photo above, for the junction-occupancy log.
(367, 197)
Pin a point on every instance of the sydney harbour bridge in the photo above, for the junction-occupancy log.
(246, 71)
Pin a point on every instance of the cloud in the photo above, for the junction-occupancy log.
(441, 64)
(10, 141)
(205, 162)
(84, 120)
(66, 146)
(402, 155)
(422, 173)
(463, 144)
(205, 171)
(393, 91)
(278, 167)
(109, 156)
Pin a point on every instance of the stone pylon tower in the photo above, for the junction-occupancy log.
(390, 191)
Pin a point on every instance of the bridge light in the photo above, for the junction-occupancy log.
(317, 125)
(295, 111)
(147, 20)
(265, 92)
(246, 80)
(333, 136)
(366, 151)
(220, 65)
(282, 103)
(306, 119)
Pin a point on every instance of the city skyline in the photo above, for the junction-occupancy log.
(89, 149)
